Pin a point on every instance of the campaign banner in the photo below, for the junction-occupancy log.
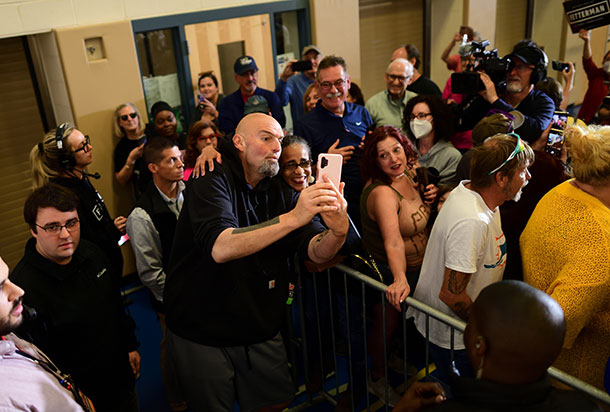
(587, 14)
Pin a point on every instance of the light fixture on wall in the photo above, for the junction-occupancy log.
(94, 49)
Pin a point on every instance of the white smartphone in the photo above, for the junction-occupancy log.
(330, 165)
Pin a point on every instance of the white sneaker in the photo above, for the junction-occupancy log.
(378, 389)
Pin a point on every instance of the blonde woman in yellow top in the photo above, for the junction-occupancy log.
(566, 253)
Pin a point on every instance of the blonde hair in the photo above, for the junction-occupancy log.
(116, 127)
(589, 148)
(45, 157)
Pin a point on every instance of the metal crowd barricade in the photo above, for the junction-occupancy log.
(335, 383)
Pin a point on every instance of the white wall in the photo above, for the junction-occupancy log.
(20, 17)
(336, 30)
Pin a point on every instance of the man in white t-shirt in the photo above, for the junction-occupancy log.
(466, 250)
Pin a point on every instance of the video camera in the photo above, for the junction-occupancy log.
(469, 81)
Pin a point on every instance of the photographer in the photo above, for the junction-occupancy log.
(526, 66)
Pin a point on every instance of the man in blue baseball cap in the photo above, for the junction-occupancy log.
(231, 108)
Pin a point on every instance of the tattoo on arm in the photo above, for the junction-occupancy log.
(321, 236)
(457, 284)
(252, 228)
(462, 310)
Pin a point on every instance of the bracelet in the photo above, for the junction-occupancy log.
(128, 166)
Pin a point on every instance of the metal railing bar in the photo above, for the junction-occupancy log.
(459, 325)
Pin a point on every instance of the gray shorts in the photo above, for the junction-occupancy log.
(213, 378)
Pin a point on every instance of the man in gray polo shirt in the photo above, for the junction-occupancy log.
(387, 106)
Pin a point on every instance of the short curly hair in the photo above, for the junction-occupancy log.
(589, 148)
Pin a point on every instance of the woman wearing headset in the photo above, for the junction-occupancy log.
(62, 157)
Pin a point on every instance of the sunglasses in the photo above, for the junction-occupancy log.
(126, 116)
(520, 147)
(210, 137)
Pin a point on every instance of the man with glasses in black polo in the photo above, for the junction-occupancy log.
(337, 126)
(387, 106)
(81, 322)
(466, 250)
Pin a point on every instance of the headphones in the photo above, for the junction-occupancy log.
(542, 63)
(66, 159)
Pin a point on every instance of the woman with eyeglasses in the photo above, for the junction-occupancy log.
(62, 157)
(427, 122)
(394, 219)
(202, 134)
(128, 165)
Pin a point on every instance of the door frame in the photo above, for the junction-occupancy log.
(176, 23)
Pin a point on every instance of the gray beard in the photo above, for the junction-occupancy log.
(269, 168)
(514, 88)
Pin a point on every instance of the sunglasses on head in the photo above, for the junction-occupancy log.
(519, 147)
(126, 116)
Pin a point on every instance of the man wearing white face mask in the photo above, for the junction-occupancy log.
(598, 78)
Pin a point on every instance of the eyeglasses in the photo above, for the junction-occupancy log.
(292, 165)
(419, 116)
(328, 85)
(85, 146)
(210, 137)
(132, 115)
(520, 147)
(520, 67)
(393, 78)
(55, 228)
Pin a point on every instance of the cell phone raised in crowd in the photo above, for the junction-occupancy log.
(560, 66)
(555, 140)
(422, 179)
(330, 165)
(202, 99)
(301, 66)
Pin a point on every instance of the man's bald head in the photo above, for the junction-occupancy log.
(258, 140)
(400, 64)
(521, 327)
(254, 122)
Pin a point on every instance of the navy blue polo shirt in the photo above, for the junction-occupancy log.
(322, 128)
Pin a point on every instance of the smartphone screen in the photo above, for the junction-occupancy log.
(555, 140)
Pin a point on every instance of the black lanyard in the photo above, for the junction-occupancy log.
(64, 380)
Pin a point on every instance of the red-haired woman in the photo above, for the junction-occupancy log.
(394, 230)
